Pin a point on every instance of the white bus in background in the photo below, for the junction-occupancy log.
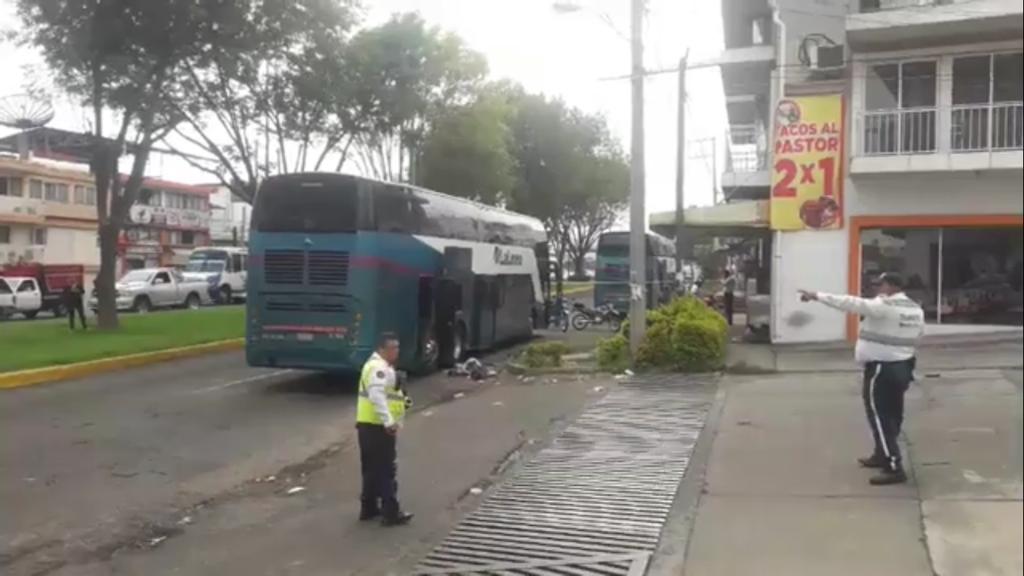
(223, 269)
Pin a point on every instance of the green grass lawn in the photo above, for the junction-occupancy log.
(570, 288)
(41, 343)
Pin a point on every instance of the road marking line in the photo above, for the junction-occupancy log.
(225, 385)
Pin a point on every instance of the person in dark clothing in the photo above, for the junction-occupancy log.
(729, 295)
(74, 302)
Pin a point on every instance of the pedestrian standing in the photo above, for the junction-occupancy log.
(379, 413)
(892, 326)
(74, 302)
(729, 294)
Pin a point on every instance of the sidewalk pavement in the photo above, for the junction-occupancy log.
(783, 494)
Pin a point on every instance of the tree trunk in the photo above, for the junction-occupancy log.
(577, 265)
(105, 280)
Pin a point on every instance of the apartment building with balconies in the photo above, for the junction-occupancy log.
(933, 151)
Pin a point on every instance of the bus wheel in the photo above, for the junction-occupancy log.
(225, 296)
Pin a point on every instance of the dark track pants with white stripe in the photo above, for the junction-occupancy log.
(885, 383)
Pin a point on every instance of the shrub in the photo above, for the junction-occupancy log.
(545, 354)
(613, 354)
(684, 335)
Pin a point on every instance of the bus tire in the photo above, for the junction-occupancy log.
(31, 314)
(193, 302)
(224, 295)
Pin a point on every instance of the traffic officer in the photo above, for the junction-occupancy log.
(379, 413)
(889, 333)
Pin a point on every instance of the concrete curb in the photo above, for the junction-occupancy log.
(36, 376)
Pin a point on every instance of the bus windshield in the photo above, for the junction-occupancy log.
(310, 205)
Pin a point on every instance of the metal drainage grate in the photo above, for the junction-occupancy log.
(594, 501)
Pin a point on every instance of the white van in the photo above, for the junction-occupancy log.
(224, 269)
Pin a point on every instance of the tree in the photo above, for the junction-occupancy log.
(570, 173)
(466, 152)
(404, 74)
(123, 57)
(595, 208)
(275, 99)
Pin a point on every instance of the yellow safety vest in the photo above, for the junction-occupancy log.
(365, 412)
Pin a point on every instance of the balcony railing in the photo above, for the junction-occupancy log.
(987, 126)
(747, 149)
(973, 128)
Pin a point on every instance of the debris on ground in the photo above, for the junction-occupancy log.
(498, 403)
(156, 541)
(428, 413)
(473, 368)
(459, 395)
(476, 491)
(185, 521)
(295, 490)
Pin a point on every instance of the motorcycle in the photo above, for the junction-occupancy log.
(606, 313)
(559, 316)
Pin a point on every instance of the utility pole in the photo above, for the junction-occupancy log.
(681, 165)
(637, 214)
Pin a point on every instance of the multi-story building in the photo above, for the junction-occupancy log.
(47, 215)
(229, 218)
(930, 159)
(166, 224)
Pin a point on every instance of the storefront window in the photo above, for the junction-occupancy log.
(911, 252)
(959, 275)
(981, 276)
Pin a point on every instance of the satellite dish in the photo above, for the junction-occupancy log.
(24, 112)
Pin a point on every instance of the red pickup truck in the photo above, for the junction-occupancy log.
(37, 287)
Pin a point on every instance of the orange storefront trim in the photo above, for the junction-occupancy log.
(859, 223)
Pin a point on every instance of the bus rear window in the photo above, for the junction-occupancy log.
(311, 206)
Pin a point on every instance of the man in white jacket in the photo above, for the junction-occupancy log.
(886, 347)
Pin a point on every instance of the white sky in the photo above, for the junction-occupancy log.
(557, 54)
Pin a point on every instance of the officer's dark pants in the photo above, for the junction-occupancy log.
(885, 383)
(730, 301)
(377, 456)
(76, 307)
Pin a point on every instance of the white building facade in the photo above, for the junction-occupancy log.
(229, 219)
(47, 215)
(933, 158)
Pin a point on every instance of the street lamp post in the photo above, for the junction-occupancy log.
(637, 214)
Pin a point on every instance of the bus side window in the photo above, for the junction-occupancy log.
(392, 210)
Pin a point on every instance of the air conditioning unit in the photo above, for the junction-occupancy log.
(828, 58)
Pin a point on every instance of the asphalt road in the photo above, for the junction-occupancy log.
(93, 467)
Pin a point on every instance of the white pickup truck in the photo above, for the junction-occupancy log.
(148, 288)
(19, 295)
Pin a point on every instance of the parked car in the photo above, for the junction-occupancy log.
(33, 288)
(148, 288)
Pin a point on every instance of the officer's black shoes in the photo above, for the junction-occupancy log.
(873, 461)
(401, 519)
(887, 477)
(368, 514)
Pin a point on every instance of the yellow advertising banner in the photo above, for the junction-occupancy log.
(807, 176)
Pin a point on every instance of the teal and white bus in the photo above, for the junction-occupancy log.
(335, 260)
(611, 277)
